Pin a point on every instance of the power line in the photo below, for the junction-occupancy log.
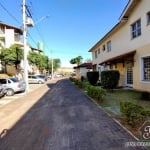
(31, 38)
(10, 14)
(36, 27)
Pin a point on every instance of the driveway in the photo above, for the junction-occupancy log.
(62, 119)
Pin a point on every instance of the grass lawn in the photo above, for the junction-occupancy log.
(120, 95)
(111, 103)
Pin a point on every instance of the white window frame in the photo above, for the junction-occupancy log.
(109, 46)
(142, 69)
(137, 31)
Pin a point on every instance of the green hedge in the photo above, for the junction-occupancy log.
(93, 91)
(135, 114)
(96, 92)
(110, 79)
(93, 77)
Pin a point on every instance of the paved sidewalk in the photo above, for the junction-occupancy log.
(64, 119)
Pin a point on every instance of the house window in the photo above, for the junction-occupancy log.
(103, 48)
(108, 46)
(2, 30)
(146, 68)
(148, 18)
(95, 54)
(99, 51)
(136, 29)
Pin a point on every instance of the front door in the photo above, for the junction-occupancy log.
(129, 81)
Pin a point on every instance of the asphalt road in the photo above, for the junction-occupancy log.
(63, 118)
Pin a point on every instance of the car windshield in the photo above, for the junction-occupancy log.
(41, 76)
(14, 79)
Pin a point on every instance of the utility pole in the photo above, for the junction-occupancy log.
(27, 22)
(25, 45)
(52, 71)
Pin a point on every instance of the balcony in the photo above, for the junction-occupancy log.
(17, 39)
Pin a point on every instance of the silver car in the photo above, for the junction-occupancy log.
(12, 85)
(35, 79)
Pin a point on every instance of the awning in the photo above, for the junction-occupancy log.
(120, 58)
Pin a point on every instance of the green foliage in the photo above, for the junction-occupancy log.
(56, 63)
(76, 60)
(110, 79)
(135, 114)
(93, 77)
(42, 61)
(96, 92)
(145, 95)
(77, 82)
(11, 55)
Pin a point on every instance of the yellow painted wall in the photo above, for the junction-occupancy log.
(137, 76)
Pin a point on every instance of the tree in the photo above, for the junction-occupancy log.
(12, 55)
(39, 60)
(42, 61)
(76, 60)
(56, 64)
(33, 58)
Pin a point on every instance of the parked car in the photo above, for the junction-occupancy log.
(43, 77)
(35, 79)
(2, 91)
(49, 76)
(58, 75)
(12, 85)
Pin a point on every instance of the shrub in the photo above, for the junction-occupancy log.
(95, 92)
(71, 79)
(146, 114)
(110, 79)
(145, 95)
(135, 114)
(93, 77)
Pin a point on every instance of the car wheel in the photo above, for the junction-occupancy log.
(10, 92)
(40, 82)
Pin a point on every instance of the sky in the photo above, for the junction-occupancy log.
(67, 28)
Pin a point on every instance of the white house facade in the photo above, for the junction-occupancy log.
(126, 47)
(10, 35)
(82, 69)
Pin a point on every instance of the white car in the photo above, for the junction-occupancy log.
(35, 79)
(12, 85)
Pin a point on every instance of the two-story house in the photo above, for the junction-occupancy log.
(126, 47)
(10, 35)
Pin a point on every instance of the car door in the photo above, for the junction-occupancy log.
(30, 80)
(34, 79)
